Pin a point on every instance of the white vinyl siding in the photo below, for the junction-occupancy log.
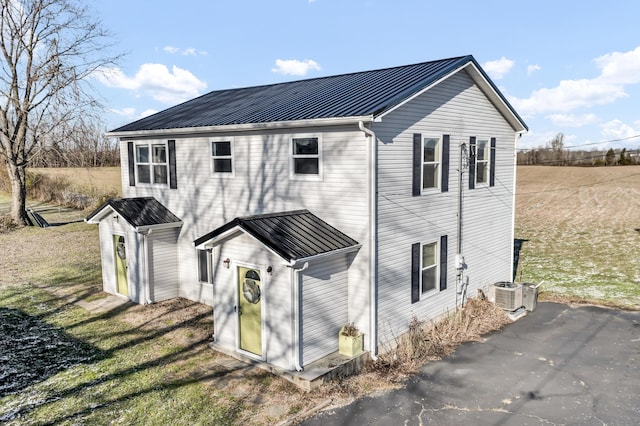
(323, 293)
(163, 264)
(262, 185)
(458, 108)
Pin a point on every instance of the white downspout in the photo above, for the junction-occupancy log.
(513, 206)
(295, 314)
(372, 153)
(145, 266)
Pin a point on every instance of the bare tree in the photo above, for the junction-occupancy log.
(48, 49)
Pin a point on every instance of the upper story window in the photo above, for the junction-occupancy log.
(306, 158)
(483, 151)
(222, 157)
(430, 163)
(151, 163)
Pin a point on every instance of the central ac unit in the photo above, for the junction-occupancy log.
(508, 296)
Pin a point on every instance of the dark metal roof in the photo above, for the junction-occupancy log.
(292, 235)
(139, 212)
(348, 95)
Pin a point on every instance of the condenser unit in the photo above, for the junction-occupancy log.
(508, 296)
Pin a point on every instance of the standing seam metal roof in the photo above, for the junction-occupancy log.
(140, 211)
(347, 95)
(292, 235)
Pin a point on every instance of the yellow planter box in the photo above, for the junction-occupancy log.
(350, 345)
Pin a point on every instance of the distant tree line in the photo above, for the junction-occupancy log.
(81, 143)
(555, 154)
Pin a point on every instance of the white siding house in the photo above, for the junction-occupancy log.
(296, 208)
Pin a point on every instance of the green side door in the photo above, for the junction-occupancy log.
(120, 256)
(250, 310)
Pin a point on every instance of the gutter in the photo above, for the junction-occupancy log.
(241, 127)
(373, 237)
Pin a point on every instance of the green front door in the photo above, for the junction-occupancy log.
(120, 256)
(250, 310)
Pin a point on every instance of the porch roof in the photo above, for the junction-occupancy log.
(142, 213)
(293, 235)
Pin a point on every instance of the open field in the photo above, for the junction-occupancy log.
(582, 231)
(104, 179)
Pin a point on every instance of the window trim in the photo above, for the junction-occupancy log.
(486, 161)
(208, 256)
(150, 163)
(438, 162)
(231, 157)
(436, 265)
(292, 157)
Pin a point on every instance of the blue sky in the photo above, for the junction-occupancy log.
(565, 66)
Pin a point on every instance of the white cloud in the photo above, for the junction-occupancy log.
(155, 80)
(533, 68)
(499, 68)
(616, 129)
(125, 112)
(147, 112)
(295, 67)
(616, 71)
(189, 51)
(572, 120)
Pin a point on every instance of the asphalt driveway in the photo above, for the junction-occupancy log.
(559, 365)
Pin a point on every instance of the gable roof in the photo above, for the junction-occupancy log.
(142, 213)
(293, 235)
(362, 95)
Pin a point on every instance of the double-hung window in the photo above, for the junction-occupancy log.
(306, 157)
(430, 163)
(483, 150)
(429, 267)
(151, 163)
(222, 157)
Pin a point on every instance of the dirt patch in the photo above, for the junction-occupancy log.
(183, 321)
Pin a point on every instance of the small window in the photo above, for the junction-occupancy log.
(151, 163)
(305, 156)
(430, 163)
(203, 266)
(429, 267)
(222, 157)
(482, 161)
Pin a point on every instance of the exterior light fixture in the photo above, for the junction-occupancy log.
(226, 262)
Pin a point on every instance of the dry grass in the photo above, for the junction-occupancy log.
(582, 230)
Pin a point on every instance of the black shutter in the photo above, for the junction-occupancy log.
(173, 178)
(443, 262)
(417, 164)
(415, 272)
(132, 164)
(444, 186)
(492, 163)
(472, 162)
